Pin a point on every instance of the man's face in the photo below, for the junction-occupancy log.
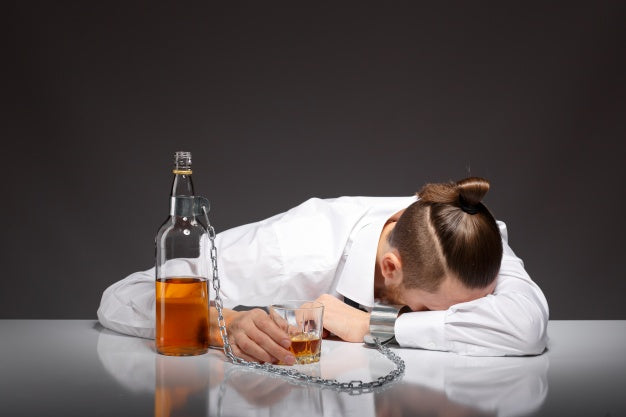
(450, 292)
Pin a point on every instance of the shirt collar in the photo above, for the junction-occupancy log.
(357, 277)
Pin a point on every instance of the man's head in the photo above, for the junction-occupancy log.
(444, 249)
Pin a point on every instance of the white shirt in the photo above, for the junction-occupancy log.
(329, 246)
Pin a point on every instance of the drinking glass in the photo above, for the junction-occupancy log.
(303, 322)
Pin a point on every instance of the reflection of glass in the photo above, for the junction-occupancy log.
(181, 387)
(302, 320)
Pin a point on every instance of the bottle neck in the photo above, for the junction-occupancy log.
(182, 195)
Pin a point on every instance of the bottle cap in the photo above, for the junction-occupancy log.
(182, 162)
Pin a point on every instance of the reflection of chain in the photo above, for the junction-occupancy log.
(353, 387)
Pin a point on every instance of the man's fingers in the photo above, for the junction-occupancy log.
(257, 336)
(250, 350)
(262, 339)
(272, 330)
(280, 322)
(237, 351)
(269, 345)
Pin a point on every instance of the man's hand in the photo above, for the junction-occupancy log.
(348, 323)
(254, 336)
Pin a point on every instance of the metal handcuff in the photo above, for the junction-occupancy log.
(382, 323)
(381, 334)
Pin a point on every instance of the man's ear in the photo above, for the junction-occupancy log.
(391, 267)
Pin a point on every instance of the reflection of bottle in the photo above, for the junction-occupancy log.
(181, 387)
(182, 308)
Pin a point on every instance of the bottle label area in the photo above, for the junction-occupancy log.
(182, 206)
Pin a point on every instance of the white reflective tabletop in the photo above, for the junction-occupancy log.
(75, 367)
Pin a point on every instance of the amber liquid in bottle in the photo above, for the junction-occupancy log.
(182, 316)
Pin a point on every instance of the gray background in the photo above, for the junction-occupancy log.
(285, 102)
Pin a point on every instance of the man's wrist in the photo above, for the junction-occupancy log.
(382, 323)
(215, 337)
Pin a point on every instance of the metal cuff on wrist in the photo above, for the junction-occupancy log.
(382, 323)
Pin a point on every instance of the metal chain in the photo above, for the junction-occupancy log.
(354, 387)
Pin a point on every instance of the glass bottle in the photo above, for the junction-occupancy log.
(182, 297)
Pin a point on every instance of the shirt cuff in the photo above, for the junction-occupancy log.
(422, 329)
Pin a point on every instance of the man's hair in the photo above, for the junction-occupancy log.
(448, 231)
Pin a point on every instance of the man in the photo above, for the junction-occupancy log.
(441, 253)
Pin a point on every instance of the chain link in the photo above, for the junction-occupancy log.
(354, 387)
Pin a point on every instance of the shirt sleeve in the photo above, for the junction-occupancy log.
(511, 321)
(127, 306)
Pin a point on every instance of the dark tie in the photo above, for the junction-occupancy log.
(353, 303)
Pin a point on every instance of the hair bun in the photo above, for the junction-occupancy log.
(466, 193)
(471, 192)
